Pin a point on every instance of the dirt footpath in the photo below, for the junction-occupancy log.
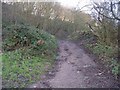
(75, 69)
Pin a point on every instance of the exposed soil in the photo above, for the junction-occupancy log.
(75, 69)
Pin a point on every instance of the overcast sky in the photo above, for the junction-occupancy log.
(74, 3)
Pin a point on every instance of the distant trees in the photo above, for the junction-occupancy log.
(48, 16)
(52, 17)
(106, 19)
(104, 22)
(106, 25)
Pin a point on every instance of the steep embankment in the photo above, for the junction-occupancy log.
(27, 53)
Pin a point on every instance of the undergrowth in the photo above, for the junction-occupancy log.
(23, 59)
(21, 69)
(108, 54)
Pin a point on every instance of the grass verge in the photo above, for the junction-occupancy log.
(107, 54)
(21, 69)
(27, 54)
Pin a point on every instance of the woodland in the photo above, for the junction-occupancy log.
(31, 30)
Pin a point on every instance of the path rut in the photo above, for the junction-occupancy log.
(75, 69)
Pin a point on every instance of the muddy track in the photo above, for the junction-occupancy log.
(75, 69)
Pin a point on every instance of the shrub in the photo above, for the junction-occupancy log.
(105, 50)
(27, 60)
(24, 35)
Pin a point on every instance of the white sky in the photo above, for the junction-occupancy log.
(73, 3)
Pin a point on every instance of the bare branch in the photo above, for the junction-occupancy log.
(85, 6)
(103, 14)
(111, 5)
(111, 10)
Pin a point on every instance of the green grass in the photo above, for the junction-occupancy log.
(21, 69)
(26, 61)
(106, 53)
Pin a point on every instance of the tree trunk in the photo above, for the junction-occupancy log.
(119, 43)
